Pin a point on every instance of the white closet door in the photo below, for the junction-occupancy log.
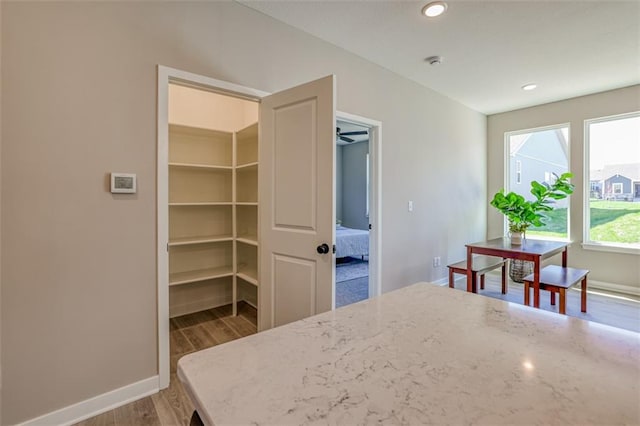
(297, 216)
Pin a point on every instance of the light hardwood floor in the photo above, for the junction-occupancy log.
(209, 328)
(188, 334)
(617, 310)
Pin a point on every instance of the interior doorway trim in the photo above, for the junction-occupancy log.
(168, 75)
(375, 196)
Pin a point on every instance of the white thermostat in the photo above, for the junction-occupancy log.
(123, 183)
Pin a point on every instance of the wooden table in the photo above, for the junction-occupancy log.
(530, 250)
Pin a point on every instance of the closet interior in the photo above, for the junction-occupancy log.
(213, 200)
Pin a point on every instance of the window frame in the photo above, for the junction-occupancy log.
(617, 188)
(587, 243)
(507, 173)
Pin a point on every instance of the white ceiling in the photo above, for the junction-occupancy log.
(490, 48)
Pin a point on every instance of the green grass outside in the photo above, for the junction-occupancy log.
(615, 221)
(556, 225)
(611, 221)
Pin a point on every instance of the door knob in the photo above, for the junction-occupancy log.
(323, 248)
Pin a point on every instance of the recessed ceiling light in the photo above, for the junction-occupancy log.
(529, 86)
(433, 9)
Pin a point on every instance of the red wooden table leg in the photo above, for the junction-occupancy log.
(536, 282)
(469, 275)
(583, 296)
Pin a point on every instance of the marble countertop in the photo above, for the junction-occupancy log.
(422, 354)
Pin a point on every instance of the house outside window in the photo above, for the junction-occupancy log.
(612, 167)
(539, 154)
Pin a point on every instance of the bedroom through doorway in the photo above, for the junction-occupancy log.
(352, 213)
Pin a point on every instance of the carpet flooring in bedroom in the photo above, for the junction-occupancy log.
(352, 291)
(352, 281)
(350, 267)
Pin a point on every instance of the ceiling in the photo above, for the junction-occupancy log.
(490, 49)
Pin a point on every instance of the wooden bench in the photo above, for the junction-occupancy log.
(481, 265)
(557, 279)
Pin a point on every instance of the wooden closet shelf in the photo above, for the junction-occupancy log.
(202, 203)
(248, 239)
(178, 278)
(248, 275)
(247, 166)
(199, 240)
(200, 166)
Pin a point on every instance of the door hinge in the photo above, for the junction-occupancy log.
(167, 247)
(369, 227)
(334, 249)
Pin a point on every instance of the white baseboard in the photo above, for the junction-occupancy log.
(616, 288)
(98, 404)
(600, 285)
(442, 281)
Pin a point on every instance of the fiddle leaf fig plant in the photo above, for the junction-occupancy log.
(522, 213)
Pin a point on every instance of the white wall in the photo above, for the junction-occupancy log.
(354, 185)
(613, 268)
(339, 183)
(79, 100)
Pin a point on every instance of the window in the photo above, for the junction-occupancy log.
(612, 182)
(538, 154)
(617, 188)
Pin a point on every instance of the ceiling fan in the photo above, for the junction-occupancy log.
(343, 135)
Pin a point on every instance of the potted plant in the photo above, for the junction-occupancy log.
(523, 213)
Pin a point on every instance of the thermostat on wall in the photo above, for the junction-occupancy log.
(123, 183)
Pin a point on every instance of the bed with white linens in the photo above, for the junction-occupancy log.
(351, 242)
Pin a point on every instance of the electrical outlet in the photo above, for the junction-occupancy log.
(436, 262)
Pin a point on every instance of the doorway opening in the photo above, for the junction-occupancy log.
(230, 186)
(357, 199)
(212, 205)
(352, 213)
(204, 174)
